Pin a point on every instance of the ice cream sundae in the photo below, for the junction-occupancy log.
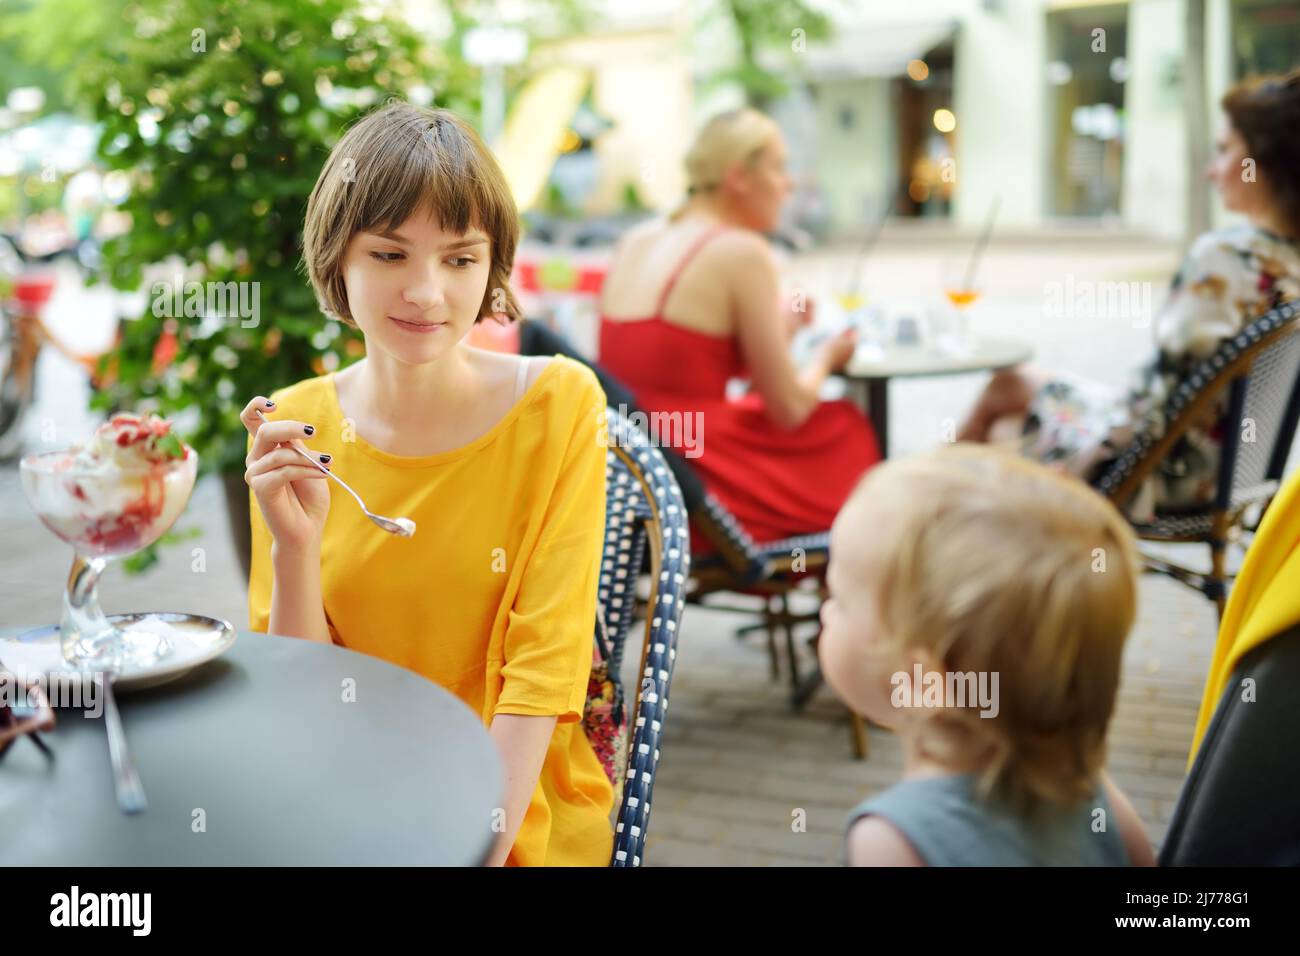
(117, 493)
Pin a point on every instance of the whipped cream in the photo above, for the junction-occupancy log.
(132, 443)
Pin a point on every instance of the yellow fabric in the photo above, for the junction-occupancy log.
(494, 598)
(1265, 600)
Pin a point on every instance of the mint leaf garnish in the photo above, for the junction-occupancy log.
(170, 446)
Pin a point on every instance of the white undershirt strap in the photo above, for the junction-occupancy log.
(521, 378)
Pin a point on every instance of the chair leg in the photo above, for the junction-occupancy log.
(788, 623)
(858, 727)
(770, 624)
(1218, 582)
(1218, 572)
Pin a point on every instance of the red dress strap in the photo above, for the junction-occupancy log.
(685, 261)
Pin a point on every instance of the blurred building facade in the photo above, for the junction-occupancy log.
(1067, 112)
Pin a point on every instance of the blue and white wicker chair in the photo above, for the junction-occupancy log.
(1259, 368)
(644, 514)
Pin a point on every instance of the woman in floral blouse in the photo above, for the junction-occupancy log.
(1228, 278)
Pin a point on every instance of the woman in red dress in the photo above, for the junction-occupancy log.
(693, 301)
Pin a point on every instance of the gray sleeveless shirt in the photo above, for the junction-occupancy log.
(949, 825)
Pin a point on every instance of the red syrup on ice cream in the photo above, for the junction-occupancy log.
(126, 530)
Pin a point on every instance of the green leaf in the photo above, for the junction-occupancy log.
(142, 560)
(170, 446)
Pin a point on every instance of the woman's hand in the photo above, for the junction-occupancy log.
(294, 496)
(834, 353)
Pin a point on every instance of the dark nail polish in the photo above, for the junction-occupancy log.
(309, 429)
(270, 404)
(325, 458)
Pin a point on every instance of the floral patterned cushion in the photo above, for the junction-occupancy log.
(604, 718)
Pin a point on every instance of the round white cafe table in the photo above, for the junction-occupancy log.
(258, 758)
(873, 367)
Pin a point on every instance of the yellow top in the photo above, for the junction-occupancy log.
(494, 598)
(1264, 602)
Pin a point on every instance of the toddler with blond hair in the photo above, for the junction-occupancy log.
(979, 605)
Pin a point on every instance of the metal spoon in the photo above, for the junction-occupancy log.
(402, 527)
(130, 792)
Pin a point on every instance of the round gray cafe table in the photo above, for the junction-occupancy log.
(874, 368)
(261, 747)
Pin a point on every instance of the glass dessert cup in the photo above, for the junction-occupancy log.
(106, 511)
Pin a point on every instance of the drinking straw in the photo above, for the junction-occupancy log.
(855, 272)
(981, 243)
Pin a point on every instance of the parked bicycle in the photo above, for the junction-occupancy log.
(27, 282)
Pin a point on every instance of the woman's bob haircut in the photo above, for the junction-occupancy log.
(396, 162)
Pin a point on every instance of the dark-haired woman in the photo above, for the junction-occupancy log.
(1229, 277)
